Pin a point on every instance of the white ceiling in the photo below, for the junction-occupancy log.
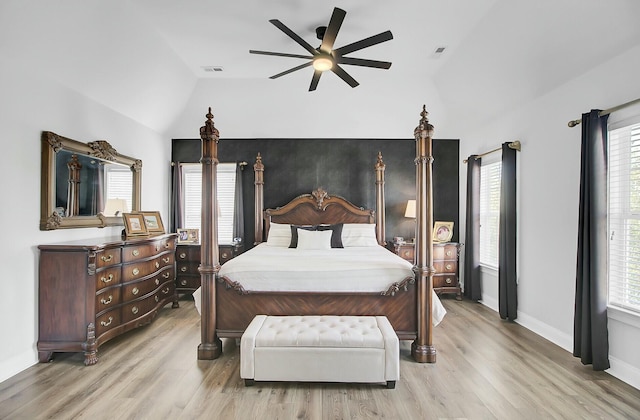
(143, 58)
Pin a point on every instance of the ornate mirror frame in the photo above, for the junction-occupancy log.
(100, 149)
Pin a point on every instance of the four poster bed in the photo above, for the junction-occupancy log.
(303, 261)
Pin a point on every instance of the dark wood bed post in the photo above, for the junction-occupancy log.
(258, 170)
(422, 348)
(380, 213)
(211, 347)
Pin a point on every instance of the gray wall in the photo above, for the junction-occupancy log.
(342, 167)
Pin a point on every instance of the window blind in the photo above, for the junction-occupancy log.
(624, 217)
(119, 184)
(489, 212)
(192, 188)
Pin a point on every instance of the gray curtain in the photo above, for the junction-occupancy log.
(238, 212)
(472, 288)
(590, 334)
(507, 273)
(177, 198)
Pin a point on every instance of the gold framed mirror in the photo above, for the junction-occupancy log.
(86, 184)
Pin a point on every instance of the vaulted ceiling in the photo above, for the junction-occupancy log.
(144, 58)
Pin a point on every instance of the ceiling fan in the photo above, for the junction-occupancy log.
(325, 57)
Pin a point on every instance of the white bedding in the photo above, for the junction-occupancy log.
(354, 269)
(267, 268)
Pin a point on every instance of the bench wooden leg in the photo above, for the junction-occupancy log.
(249, 382)
(391, 384)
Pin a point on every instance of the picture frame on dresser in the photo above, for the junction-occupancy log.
(442, 231)
(153, 222)
(188, 236)
(134, 224)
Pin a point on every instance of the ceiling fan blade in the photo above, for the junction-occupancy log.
(280, 54)
(293, 36)
(314, 80)
(364, 63)
(364, 43)
(344, 76)
(332, 30)
(291, 70)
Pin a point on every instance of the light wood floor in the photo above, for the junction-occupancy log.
(486, 369)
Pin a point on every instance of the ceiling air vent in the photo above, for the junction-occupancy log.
(211, 69)
(439, 50)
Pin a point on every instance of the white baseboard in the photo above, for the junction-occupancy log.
(16, 364)
(624, 371)
(554, 335)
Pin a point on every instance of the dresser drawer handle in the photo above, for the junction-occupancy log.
(448, 266)
(106, 280)
(134, 310)
(157, 281)
(225, 255)
(135, 271)
(107, 323)
(406, 253)
(135, 252)
(166, 275)
(449, 253)
(448, 280)
(183, 269)
(106, 301)
(182, 255)
(107, 259)
(166, 260)
(156, 298)
(165, 291)
(183, 282)
(135, 291)
(167, 244)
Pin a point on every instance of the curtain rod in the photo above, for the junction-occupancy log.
(573, 123)
(515, 145)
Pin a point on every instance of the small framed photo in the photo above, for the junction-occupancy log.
(153, 221)
(442, 231)
(134, 224)
(188, 236)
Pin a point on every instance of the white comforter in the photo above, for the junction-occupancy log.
(354, 269)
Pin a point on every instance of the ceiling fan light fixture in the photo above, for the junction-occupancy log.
(323, 63)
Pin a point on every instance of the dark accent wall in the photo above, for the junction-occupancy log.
(342, 167)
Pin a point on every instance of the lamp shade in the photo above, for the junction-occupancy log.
(411, 209)
(115, 207)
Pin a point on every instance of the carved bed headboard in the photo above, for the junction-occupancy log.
(318, 207)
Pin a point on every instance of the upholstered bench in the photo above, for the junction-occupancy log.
(320, 349)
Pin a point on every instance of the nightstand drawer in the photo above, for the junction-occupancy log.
(445, 266)
(445, 280)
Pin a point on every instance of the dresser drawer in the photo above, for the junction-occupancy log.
(187, 267)
(139, 269)
(445, 252)
(140, 251)
(107, 321)
(136, 289)
(445, 266)
(107, 277)
(188, 282)
(107, 257)
(188, 253)
(445, 280)
(107, 299)
(138, 308)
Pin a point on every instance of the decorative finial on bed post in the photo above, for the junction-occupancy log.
(209, 130)
(424, 128)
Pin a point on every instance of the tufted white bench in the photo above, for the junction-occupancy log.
(320, 348)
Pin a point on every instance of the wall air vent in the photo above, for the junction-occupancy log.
(211, 69)
(440, 50)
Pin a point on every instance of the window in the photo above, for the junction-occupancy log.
(624, 216)
(489, 212)
(119, 184)
(192, 188)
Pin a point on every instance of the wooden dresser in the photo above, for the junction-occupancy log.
(92, 291)
(445, 261)
(188, 260)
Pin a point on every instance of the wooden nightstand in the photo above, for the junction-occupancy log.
(445, 261)
(188, 260)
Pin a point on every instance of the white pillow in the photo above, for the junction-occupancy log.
(359, 234)
(279, 235)
(314, 239)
